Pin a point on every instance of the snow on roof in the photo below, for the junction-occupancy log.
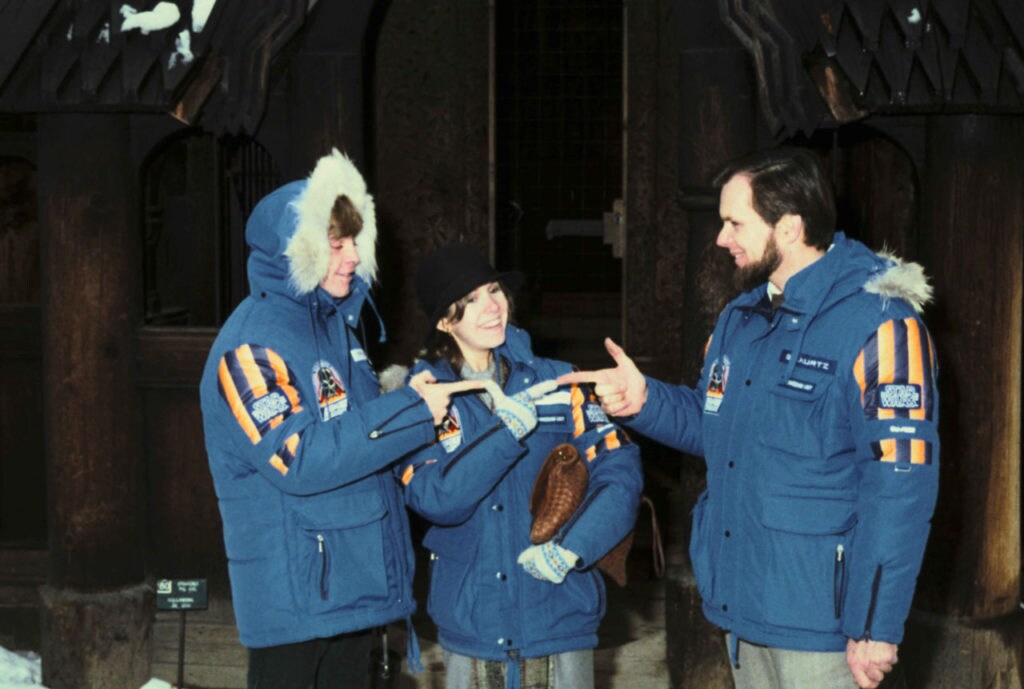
(165, 14)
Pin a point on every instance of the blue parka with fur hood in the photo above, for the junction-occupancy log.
(818, 423)
(474, 487)
(299, 438)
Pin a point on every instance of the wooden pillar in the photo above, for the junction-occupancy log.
(973, 205)
(95, 622)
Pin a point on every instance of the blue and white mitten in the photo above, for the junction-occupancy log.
(548, 561)
(518, 412)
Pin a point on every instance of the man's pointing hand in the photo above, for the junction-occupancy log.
(622, 390)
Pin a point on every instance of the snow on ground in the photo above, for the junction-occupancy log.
(19, 670)
(23, 670)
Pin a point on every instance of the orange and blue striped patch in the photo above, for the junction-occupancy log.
(258, 387)
(895, 371)
(896, 374)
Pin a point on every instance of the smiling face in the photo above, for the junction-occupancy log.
(341, 268)
(744, 233)
(482, 325)
(749, 239)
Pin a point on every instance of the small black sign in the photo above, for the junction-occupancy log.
(181, 594)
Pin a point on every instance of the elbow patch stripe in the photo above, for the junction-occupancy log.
(259, 388)
(285, 456)
(610, 441)
(903, 451)
(895, 372)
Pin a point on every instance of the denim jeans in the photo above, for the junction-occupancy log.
(571, 670)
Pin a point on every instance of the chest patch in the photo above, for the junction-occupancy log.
(718, 378)
(331, 396)
(449, 433)
(801, 385)
(809, 361)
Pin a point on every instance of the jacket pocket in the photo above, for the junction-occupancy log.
(792, 420)
(337, 550)
(700, 549)
(453, 602)
(809, 541)
(569, 609)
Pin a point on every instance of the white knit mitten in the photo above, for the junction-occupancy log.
(548, 561)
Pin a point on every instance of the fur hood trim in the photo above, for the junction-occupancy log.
(309, 250)
(901, 280)
(393, 377)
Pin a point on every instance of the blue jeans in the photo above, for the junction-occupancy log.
(571, 670)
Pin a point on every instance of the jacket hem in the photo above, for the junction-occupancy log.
(312, 628)
(777, 637)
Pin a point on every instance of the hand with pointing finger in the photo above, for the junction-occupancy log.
(622, 390)
(518, 412)
(438, 395)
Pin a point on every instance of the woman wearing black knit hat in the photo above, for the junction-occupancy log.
(510, 613)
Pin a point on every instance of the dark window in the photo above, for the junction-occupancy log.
(198, 192)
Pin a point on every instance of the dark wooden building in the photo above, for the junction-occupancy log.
(575, 139)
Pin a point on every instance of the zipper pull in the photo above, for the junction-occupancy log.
(837, 581)
(320, 542)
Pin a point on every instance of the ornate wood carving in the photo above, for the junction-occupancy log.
(821, 61)
(93, 55)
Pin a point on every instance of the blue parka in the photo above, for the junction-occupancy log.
(474, 487)
(818, 424)
(300, 440)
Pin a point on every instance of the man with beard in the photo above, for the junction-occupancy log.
(816, 413)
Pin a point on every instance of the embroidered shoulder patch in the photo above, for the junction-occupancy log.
(899, 396)
(259, 388)
(595, 415)
(265, 408)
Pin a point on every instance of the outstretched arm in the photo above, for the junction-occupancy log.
(439, 395)
(446, 486)
(622, 390)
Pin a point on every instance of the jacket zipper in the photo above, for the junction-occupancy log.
(874, 601)
(323, 565)
(379, 430)
(470, 446)
(837, 580)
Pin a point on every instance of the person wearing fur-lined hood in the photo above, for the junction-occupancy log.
(817, 414)
(301, 441)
